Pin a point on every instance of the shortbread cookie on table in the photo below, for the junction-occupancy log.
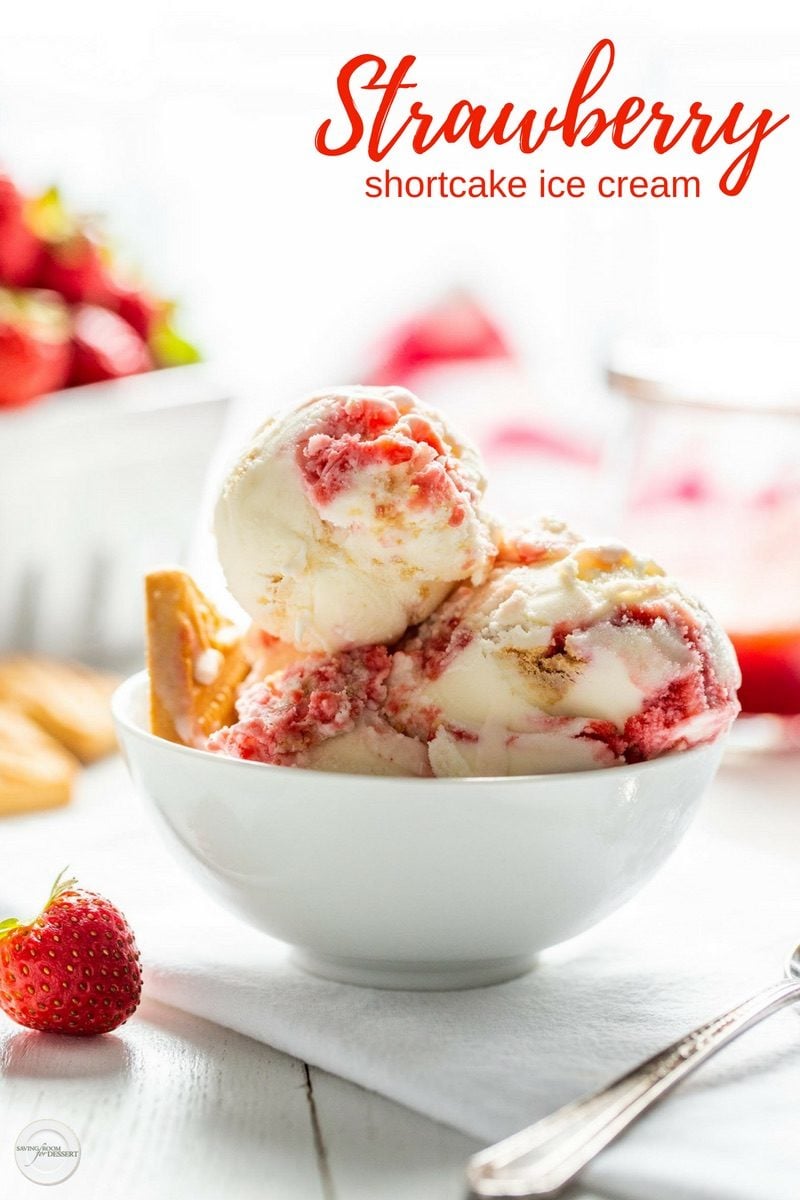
(70, 702)
(35, 771)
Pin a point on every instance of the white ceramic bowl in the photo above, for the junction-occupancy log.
(413, 883)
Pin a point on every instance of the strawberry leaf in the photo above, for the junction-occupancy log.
(47, 216)
(169, 349)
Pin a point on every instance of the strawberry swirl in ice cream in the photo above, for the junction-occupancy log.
(324, 713)
(351, 518)
(571, 656)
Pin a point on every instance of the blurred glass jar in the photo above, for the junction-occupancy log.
(708, 474)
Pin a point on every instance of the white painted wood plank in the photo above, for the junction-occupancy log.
(376, 1148)
(172, 1106)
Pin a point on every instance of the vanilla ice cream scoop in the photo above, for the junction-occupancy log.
(351, 518)
(571, 655)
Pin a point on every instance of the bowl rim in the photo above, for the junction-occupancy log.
(120, 703)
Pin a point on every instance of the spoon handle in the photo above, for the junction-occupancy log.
(541, 1159)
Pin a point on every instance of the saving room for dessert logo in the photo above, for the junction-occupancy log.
(47, 1152)
(381, 107)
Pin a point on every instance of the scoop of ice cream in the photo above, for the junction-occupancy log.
(571, 655)
(351, 518)
(324, 713)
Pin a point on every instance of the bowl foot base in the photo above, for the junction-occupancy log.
(411, 975)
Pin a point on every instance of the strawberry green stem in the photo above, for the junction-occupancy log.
(60, 886)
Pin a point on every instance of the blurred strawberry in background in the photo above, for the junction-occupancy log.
(454, 330)
(69, 316)
(20, 248)
(73, 259)
(105, 347)
(35, 349)
(75, 266)
(141, 310)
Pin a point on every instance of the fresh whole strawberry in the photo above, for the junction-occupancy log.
(35, 351)
(74, 969)
(105, 346)
(20, 248)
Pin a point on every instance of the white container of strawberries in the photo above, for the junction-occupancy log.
(107, 423)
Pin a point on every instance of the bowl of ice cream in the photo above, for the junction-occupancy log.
(412, 882)
(441, 747)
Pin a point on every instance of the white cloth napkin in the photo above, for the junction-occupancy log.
(713, 927)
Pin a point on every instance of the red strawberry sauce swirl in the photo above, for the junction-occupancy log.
(433, 645)
(357, 434)
(306, 704)
(656, 728)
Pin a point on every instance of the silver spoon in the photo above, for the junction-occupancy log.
(542, 1159)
